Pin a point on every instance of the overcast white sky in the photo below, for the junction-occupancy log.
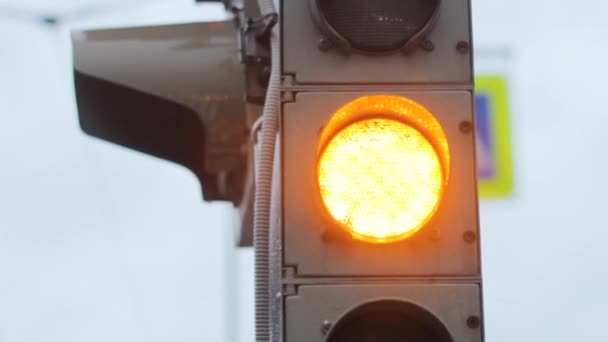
(99, 243)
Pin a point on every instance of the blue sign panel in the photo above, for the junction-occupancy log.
(494, 165)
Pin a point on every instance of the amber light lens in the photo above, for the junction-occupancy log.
(380, 177)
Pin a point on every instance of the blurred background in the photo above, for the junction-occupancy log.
(100, 243)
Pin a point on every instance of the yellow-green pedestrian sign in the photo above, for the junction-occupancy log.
(494, 163)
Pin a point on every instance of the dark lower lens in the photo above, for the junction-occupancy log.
(389, 321)
(377, 25)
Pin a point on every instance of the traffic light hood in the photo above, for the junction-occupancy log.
(175, 92)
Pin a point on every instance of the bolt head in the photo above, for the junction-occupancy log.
(428, 45)
(465, 126)
(324, 44)
(473, 322)
(469, 236)
(463, 47)
(325, 327)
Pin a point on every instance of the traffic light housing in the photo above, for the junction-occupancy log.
(379, 214)
(438, 247)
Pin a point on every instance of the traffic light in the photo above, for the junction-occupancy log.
(367, 227)
(379, 216)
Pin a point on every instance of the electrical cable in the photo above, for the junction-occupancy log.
(263, 185)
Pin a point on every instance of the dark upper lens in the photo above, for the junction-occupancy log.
(389, 321)
(377, 25)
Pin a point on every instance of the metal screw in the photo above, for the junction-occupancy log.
(325, 326)
(465, 126)
(324, 44)
(473, 322)
(427, 45)
(463, 47)
(469, 236)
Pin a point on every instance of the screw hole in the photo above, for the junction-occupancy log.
(469, 236)
(463, 47)
(465, 127)
(325, 327)
(473, 322)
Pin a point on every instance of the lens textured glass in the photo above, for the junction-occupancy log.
(378, 25)
(389, 321)
(380, 178)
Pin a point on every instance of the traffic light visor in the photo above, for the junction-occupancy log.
(389, 320)
(382, 167)
(375, 26)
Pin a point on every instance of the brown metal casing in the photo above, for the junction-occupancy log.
(439, 249)
(321, 274)
(303, 321)
(443, 65)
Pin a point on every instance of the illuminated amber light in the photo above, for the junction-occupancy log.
(382, 168)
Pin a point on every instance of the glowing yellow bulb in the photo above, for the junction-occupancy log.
(380, 178)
